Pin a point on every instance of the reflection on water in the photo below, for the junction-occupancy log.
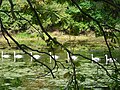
(24, 74)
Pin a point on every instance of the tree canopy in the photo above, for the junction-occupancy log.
(73, 17)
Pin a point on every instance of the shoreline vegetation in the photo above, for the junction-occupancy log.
(27, 75)
(74, 41)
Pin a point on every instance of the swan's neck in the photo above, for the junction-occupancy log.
(31, 57)
(106, 57)
(92, 56)
(50, 53)
(14, 57)
(2, 54)
(50, 57)
(68, 56)
(31, 53)
(14, 53)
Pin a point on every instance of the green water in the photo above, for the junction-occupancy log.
(26, 75)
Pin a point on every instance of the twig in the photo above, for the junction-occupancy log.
(24, 49)
(100, 27)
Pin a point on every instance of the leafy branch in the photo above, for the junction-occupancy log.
(3, 29)
(100, 27)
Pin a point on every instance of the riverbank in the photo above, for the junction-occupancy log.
(68, 40)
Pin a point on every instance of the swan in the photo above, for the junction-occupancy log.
(54, 56)
(109, 60)
(35, 56)
(4, 56)
(96, 59)
(17, 56)
(73, 57)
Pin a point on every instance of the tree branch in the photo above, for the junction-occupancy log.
(100, 27)
(12, 9)
(23, 49)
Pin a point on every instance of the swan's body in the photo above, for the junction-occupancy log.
(35, 56)
(109, 60)
(96, 59)
(17, 56)
(54, 56)
(4, 56)
(73, 57)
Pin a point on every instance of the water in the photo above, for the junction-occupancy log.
(26, 75)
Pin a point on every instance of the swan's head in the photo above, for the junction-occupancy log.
(91, 54)
(50, 53)
(106, 55)
(31, 53)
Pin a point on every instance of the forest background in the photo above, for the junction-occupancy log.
(38, 18)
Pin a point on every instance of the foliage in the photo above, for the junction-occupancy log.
(71, 17)
(19, 23)
(61, 15)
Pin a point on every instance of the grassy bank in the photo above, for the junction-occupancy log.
(26, 75)
(76, 42)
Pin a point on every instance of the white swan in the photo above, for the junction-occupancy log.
(54, 56)
(35, 56)
(73, 57)
(4, 56)
(96, 59)
(109, 60)
(17, 56)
